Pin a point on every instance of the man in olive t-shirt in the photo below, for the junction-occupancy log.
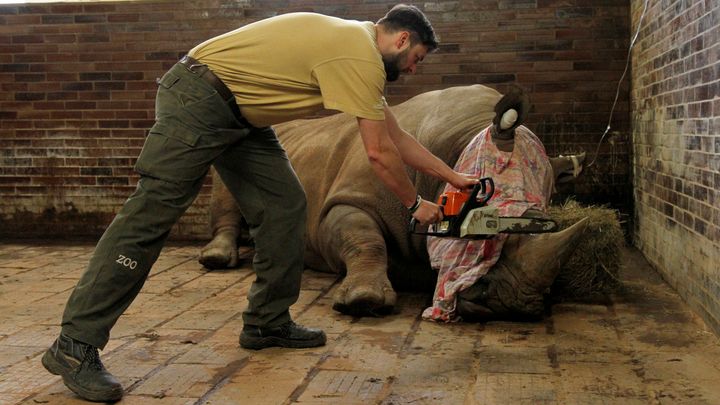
(315, 61)
(215, 107)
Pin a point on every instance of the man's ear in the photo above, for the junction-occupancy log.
(402, 39)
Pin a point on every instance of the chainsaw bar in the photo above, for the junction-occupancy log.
(486, 221)
(476, 220)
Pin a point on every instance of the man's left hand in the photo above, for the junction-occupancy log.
(464, 182)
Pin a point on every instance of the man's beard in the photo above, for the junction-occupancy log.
(392, 65)
(392, 71)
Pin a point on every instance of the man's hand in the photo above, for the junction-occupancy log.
(428, 213)
(464, 182)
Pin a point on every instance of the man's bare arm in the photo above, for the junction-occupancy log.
(416, 155)
(388, 165)
(386, 160)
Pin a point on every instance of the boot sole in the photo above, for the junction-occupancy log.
(51, 365)
(257, 343)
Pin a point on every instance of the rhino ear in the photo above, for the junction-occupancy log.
(514, 99)
(539, 257)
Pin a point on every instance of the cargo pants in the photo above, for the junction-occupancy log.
(195, 128)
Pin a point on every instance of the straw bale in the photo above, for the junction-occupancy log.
(592, 270)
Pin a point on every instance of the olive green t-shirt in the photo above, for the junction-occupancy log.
(293, 65)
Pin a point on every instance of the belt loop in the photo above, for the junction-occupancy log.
(190, 63)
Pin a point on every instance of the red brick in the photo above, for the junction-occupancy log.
(90, 18)
(44, 86)
(62, 95)
(44, 29)
(66, 115)
(62, 39)
(61, 77)
(5, 124)
(101, 114)
(93, 38)
(112, 105)
(118, 18)
(80, 105)
(96, 95)
(143, 85)
(75, 29)
(14, 90)
(62, 57)
(66, 8)
(22, 19)
(101, 7)
(30, 115)
(84, 123)
(28, 39)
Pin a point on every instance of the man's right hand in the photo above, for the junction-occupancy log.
(428, 213)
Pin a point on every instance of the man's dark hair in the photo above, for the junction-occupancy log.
(404, 17)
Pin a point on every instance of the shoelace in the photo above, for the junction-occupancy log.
(92, 358)
(288, 327)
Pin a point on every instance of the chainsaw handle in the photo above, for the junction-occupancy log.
(485, 187)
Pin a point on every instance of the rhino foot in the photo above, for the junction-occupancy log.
(360, 296)
(220, 253)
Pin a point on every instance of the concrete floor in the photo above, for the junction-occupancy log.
(178, 344)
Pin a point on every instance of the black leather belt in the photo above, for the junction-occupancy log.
(206, 74)
(202, 70)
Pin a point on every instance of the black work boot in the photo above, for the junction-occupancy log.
(82, 371)
(288, 334)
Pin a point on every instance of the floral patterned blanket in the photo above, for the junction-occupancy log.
(523, 180)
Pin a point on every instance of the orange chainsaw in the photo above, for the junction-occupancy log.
(467, 216)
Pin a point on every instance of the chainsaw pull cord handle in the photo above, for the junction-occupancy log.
(485, 187)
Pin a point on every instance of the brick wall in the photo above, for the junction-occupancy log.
(676, 147)
(77, 90)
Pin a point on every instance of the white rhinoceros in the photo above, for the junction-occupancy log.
(357, 228)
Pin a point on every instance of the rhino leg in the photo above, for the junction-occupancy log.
(225, 219)
(352, 243)
(515, 287)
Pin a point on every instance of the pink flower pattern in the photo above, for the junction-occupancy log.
(523, 180)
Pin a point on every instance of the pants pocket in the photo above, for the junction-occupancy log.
(171, 154)
(178, 133)
(168, 80)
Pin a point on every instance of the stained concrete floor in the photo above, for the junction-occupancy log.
(178, 344)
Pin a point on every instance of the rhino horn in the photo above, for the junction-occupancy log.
(539, 257)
